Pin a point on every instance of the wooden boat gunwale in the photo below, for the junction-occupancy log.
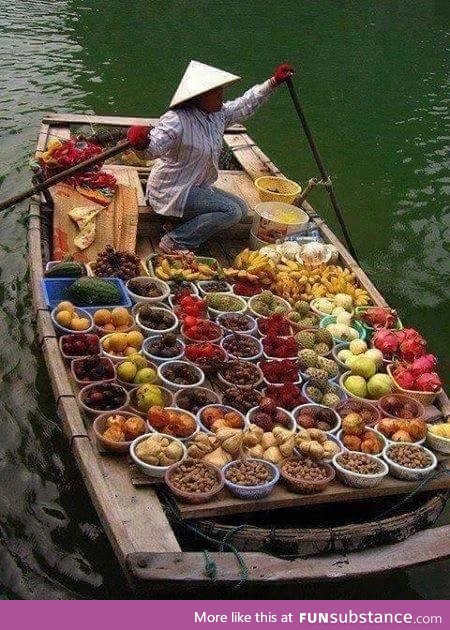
(160, 559)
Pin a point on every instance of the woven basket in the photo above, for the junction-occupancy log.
(426, 398)
(420, 514)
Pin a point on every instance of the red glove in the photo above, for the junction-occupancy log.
(282, 72)
(138, 136)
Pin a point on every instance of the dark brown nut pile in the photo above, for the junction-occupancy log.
(305, 470)
(166, 346)
(236, 322)
(194, 476)
(176, 286)
(241, 399)
(359, 463)
(215, 286)
(180, 373)
(194, 399)
(156, 318)
(144, 287)
(241, 345)
(240, 373)
(248, 473)
(410, 456)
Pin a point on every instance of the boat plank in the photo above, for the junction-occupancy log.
(42, 138)
(250, 156)
(115, 121)
(226, 504)
(425, 546)
(139, 520)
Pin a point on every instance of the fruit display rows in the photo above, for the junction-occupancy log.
(247, 391)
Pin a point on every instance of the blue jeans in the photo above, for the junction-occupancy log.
(207, 210)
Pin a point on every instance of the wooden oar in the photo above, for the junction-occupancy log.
(323, 171)
(73, 170)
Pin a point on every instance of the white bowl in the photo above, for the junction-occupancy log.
(409, 474)
(227, 409)
(178, 410)
(165, 291)
(149, 469)
(315, 310)
(357, 480)
(438, 442)
(254, 357)
(201, 284)
(115, 358)
(307, 406)
(158, 360)
(62, 330)
(153, 331)
(214, 312)
(251, 331)
(293, 425)
(255, 314)
(174, 386)
(380, 437)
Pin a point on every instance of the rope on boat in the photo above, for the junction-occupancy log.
(210, 565)
(432, 475)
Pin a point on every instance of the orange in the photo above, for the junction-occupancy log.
(102, 317)
(135, 338)
(129, 350)
(64, 318)
(118, 341)
(79, 323)
(65, 306)
(120, 316)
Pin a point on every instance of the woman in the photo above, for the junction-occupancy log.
(188, 140)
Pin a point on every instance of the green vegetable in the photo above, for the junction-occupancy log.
(66, 269)
(93, 292)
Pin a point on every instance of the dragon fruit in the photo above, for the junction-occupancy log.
(429, 382)
(412, 348)
(404, 378)
(386, 341)
(423, 365)
(379, 317)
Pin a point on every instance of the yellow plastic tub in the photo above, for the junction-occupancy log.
(277, 189)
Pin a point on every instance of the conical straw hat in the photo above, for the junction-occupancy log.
(199, 78)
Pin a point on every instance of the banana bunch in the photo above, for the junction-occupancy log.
(252, 266)
(197, 271)
(296, 282)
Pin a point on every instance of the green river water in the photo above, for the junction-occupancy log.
(373, 81)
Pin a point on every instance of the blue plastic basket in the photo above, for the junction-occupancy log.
(55, 290)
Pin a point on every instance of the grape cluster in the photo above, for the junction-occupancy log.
(111, 263)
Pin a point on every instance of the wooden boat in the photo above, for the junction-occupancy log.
(151, 548)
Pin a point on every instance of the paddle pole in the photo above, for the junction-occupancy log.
(73, 170)
(320, 165)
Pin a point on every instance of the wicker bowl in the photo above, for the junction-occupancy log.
(194, 497)
(95, 412)
(426, 398)
(353, 405)
(69, 357)
(225, 409)
(252, 325)
(438, 442)
(382, 440)
(358, 480)
(419, 409)
(405, 473)
(99, 426)
(304, 486)
(104, 360)
(316, 406)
